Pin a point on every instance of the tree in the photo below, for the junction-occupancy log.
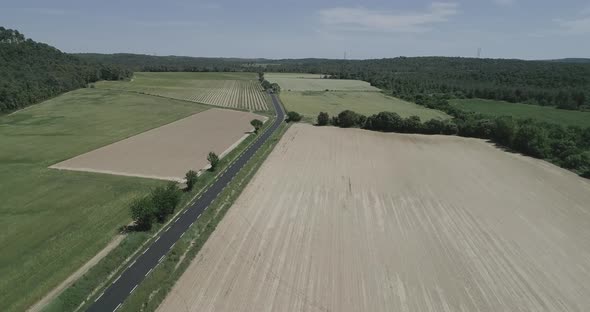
(532, 140)
(386, 122)
(275, 87)
(261, 76)
(165, 200)
(348, 119)
(504, 130)
(293, 117)
(191, 179)
(323, 119)
(412, 124)
(213, 160)
(143, 213)
(257, 124)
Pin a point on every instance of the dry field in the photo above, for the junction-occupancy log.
(168, 152)
(218, 89)
(350, 220)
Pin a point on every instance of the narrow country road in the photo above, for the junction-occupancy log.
(126, 283)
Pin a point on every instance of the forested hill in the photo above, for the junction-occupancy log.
(150, 63)
(32, 72)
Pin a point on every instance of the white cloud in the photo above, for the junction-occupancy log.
(505, 2)
(362, 19)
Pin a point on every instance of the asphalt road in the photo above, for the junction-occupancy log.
(126, 283)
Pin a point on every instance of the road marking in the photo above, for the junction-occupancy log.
(99, 297)
(117, 307)
(167, 229)
(198, 216)
(133, 263)
(150, 271)
(172, 246)
(132, 290)
(162, 257)
(117, 279)
(145, 250)
(181, 235)
(185, 211)
(157, 239)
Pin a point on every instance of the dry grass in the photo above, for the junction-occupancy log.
(350, 220)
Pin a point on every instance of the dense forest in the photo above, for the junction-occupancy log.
(32, 72)
(151, 63)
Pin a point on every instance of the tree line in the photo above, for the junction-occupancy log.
(568, 147)
(33, 72)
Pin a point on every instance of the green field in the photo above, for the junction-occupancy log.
(518, 110)
(311, 103)
(231, 90)
(313, 82)
(54, 221)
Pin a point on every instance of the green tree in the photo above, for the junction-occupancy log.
(261, 76)
(293, 117)
(143, 213)
(532, 140)
(504, 130)
(213, 160)
(257, 124)
(323, 119)
(348, 119)
(191, 179)
(165, 199)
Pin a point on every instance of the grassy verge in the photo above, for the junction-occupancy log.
(77, 296)
(152, 291)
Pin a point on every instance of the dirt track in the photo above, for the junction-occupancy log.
(351, 220)
(168, 152)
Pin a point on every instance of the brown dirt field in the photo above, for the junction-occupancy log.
(168, 152)
(352, 220)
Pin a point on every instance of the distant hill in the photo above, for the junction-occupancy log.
(572, 60)
(143, 62)
(32, 72)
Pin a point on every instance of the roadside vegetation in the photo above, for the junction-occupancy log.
(152, 291)
(78, 296)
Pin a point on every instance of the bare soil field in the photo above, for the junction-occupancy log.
(352, 220)
(168, 152)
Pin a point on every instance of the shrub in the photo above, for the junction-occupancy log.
(293, 117)
(191, 179)
(213, 160)
(532, 140)
(323, 119)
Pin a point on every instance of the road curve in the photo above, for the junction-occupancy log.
(126, 283)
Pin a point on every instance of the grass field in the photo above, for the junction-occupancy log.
(421, 223)
(232, 90)
(518, 110)
(53, 221)
(313, 82)
(311, 103)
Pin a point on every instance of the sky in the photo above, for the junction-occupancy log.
(525, 29)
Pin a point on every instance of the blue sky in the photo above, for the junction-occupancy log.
(524, 29)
